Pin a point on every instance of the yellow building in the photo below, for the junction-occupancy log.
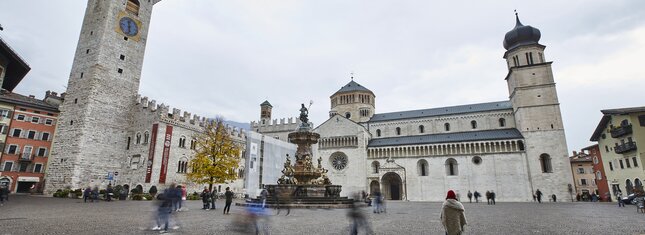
(619, 135)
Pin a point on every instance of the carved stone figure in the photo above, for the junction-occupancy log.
(304, 114)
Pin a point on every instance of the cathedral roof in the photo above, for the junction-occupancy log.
(469, 108)
(500, 134)
(352, 86)
(521, 35)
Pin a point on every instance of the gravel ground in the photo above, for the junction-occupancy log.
(42, 215)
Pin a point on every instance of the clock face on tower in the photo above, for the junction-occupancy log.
(128, 26)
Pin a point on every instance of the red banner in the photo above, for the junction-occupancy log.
(165, 155)
(151, 151)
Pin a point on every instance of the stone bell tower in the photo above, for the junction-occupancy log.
(537, 111)
(103, 84)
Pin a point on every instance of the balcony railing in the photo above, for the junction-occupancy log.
(621, 131)
(626, 147)
(25, 157)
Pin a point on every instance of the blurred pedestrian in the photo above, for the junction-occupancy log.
(109, 192)
(377, 201)
(178, 197)
(164, 211)
(553, 197)
(358, 220)
(452, 216)
(470, 197)
(492, 197)
(229, 199)
(619, 197)
(4, 194)
(488, 197)
(95, 193)
(538, 195)
(283, 198)
(214, 196)
(263, 195)
(477, 195)
(206, 197)
(87, 193)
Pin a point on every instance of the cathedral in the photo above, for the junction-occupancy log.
(512, 147)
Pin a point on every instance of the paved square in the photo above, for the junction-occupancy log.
(38, 215)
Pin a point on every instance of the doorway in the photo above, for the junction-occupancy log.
(393, 186)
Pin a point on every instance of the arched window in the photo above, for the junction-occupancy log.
(638, 184)
(422, 167)
(182, 165)
(378, 132)
(193, 144)
(447, 126)
(545, 161)
(473, 124)
(132, 7)
(375, 166)
(502, 122)
(629, 187)
(138, 138)
(598, 175)
(182, 141)
(146, 137)
(421, 129)
(451, 167)
(398, 131)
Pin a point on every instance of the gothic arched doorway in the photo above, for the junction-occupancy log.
(392, 186)
(374, 186)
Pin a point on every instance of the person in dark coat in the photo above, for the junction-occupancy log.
(488, 197)
(4, 194)
(553, 197)
(109, 192)
(95, 193)
(538, 194)
(87, 193)
(229, 199)
(213, 199)
(206, 196)
(470, 197)
(492, 197)
(358, 219)
(477, 196)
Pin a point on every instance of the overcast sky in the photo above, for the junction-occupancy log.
(226, 57)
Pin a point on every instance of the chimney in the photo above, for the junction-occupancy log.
(32, 96)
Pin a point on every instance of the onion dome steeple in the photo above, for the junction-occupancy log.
(521, 35)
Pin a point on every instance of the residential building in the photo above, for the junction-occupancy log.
(29, 140)
(619, 134)
(583, 174)
(599, 172)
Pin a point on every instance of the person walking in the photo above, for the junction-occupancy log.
(358, 220)
(470, 197)
(377, 201)
(229, 199)
(554, 197)
(206, 196)
(452, 216)
(477, 196)
(4, 194)
(619, 197)
(95, 193)
(263, 195)
(488, 197)
(109, 192)
(492, 197)
(538, 195)
(87, 193)
(213, 198)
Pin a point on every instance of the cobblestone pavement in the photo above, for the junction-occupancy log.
(39, 215)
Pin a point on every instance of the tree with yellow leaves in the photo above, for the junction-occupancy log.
(217, 155)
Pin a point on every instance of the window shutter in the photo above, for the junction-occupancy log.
(5, 129)
(2, 145)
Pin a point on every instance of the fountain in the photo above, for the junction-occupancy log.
(302, 184)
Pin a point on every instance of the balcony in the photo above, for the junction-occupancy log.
(626, 147)
(25, 157)
(621, 131)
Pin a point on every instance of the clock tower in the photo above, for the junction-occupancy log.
(103, 83)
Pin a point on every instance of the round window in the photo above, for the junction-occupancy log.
(348, 115)
(338, 161)
(477, 160)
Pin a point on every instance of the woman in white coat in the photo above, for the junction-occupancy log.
(453, 218)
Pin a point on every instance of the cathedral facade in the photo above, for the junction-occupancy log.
(512, 147)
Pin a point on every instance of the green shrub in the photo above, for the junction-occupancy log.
(193, 196)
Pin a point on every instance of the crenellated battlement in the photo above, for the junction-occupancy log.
(176, 117)
(277, 123)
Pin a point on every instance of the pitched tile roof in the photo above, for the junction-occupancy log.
(469, 108)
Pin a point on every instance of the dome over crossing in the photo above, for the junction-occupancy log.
(521, 35)
(351, 87)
